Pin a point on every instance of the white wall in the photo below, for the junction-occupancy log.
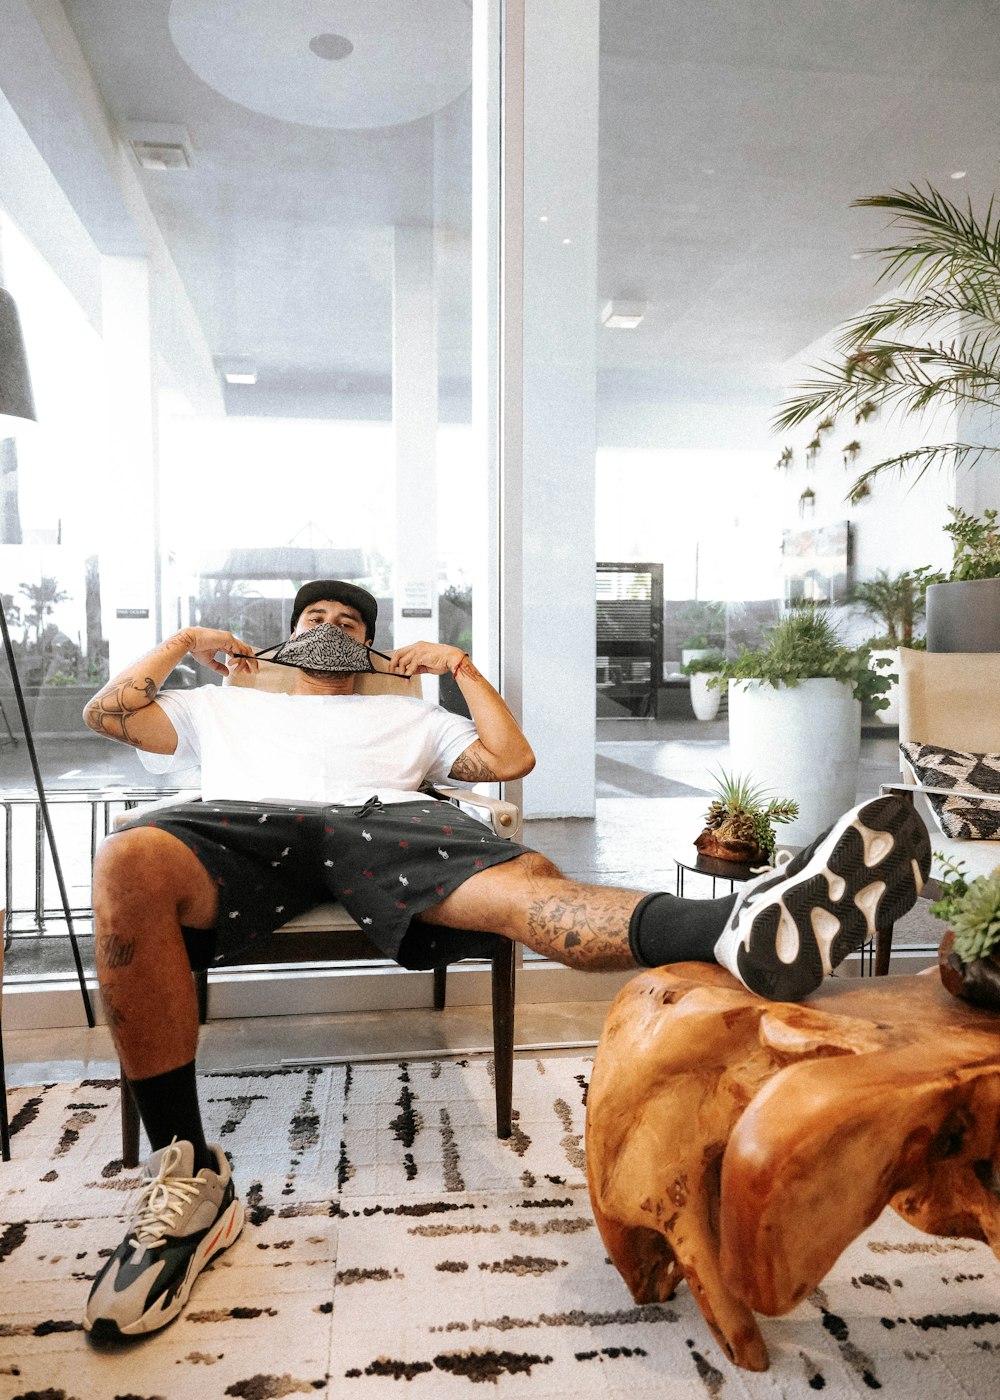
(897, 527)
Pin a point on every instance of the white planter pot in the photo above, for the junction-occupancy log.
(802, 742)
(705, 702)
(891, 715)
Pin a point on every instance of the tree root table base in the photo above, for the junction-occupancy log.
(742, 1144)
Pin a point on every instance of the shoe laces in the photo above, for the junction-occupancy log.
(749, 888)
(162, 1199)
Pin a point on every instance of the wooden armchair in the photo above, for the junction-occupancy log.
(328, 933)
(951, 700)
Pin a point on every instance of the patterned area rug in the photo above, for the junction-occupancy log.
(394, 1247)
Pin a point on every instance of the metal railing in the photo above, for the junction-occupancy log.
(81, 818)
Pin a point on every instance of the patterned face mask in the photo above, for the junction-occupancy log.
(324, 648)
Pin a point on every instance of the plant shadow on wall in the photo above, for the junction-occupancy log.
(935, 342)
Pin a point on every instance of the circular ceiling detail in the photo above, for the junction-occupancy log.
(396, 60)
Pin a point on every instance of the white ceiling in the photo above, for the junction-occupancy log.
(733, 137)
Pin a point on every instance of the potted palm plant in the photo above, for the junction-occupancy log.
(896, 604)
(795, 715)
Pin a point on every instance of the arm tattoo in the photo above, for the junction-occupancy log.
(472, 766)
(465, 668)
(109, 712)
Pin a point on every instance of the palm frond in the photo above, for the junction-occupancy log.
(939, 455)
(948, 239)
(899, 314)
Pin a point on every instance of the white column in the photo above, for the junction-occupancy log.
(485, 297)
(415, 422)
(128, 545)
(561, 77)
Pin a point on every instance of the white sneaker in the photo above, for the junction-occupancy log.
(792, 925)
(179, 1222)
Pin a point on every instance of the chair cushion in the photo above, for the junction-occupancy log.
(964, 818)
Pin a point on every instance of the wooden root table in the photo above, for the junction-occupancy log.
(742, 1144)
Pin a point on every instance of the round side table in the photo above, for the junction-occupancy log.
(734, 872)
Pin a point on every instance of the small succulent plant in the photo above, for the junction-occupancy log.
(971, 908)
(742, 812)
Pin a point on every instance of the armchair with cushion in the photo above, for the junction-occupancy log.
(328, 930)
(949, 735)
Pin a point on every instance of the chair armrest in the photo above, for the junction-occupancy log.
(504, 817)
(191, 795)
(924, 790)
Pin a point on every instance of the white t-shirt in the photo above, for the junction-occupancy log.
(254, 746)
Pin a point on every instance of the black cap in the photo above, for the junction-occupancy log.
(334, 590)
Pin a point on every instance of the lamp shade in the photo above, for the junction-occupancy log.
(16, 400)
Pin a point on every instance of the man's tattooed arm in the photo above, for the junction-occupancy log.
(473, 766)
(110, 711)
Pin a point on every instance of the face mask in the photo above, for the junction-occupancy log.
(324, 648)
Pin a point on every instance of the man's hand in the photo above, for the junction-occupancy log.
(425, 658)
(204, 642)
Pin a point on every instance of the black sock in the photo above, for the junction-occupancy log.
(168, 1106)
(665, 929)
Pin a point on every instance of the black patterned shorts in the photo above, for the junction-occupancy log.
(385, 865)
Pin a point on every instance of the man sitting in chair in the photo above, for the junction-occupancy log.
(317, 793)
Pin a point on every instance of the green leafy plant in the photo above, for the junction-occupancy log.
(896, 602)
(934, 342)
(742, 811)
(805, 645)
(970, 908)
(975, 543)
(710, 662)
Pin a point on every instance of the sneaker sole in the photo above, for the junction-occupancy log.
(222, 1234)
(864, 877)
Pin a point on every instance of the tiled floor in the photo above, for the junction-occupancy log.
(652, 779)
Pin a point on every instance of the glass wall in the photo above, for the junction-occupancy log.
(244, 270)
(242, 256)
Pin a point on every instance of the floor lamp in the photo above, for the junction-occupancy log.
(17, 403)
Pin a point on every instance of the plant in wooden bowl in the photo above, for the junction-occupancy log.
(969, 955)
(740, 821)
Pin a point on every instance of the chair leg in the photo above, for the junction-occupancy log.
(201, 988)
(4, 1124)
(130, 1125)
(440, 987)
(883, 951)
(504, 967)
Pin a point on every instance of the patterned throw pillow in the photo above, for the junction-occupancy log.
(967, 818)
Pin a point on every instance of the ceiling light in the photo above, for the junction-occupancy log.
(543, 218)
(239, 371)
(958, 174)
(622, 315)
(567, 240)
(160, 145)
(856, 257)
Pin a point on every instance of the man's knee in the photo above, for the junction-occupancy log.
(152, 867)
(534, 866)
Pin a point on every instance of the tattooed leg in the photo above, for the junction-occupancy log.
(529, 900)
(146, 884)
